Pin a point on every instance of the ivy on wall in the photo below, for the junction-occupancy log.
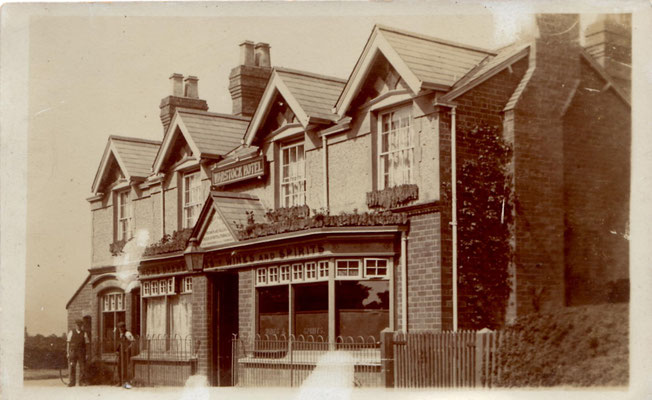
(393, 196)
(485, 199)
(169, 243)
(299, 218)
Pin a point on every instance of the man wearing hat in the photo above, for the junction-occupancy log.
(125, 342)
(76, 352)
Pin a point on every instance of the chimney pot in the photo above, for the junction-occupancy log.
(191, 89)
(247, 53)
(176, 81)
(262, 55)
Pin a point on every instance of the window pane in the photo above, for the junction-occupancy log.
(273, 310)
(311, 309)
(362, 308)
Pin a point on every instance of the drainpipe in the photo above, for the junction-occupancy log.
(404, 281)
(454, 213)
(325, 162)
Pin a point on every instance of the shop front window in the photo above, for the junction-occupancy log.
(311, 310)
(273, 311)
(362, 308)
(168, 310)
(361, 299)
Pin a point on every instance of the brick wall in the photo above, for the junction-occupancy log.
(597, 141)
(481, 105)
(81, 305)
(538, 161)
(246, 303)
(424, 274)
(202, 306)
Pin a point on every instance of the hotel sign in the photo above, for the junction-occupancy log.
(239, 171)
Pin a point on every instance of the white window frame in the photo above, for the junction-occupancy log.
(297, 273)
(186, 284)
(310, 271)
(192, 186)
(358, 276)
(398, 148)
(155, 288)
(323, 270)
(273, 277)
(285, 270)
(170, 286)
(261, 276)
(123, 216)
(146, 289)
(293, 175)
(113, 301)
(376, 275)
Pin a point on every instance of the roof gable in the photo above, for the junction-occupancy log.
(133, 157)
(309, 97)
(222, 215)
(422, 62)
(208, 135)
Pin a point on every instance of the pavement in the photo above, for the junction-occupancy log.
(53, 389)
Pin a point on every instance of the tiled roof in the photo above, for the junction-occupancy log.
(137, 155)
(242, 151)
(488, 68)
(214, 134)
(433, 60)
(316, 94)
(233, 207)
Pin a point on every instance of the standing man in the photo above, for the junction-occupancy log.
(125, 343)
(76, 352)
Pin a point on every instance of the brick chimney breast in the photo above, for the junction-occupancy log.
(182, 96)
(247, 81)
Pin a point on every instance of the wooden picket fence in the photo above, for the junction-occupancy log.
(446, 359)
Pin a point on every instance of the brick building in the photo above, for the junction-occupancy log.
(381, 139)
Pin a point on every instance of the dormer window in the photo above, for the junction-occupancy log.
(396, 148)
(124, 216)
(191, 198)
(293, 175)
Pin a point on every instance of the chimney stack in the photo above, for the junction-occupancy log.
(191, 89)
(183, 96)
(609, 41)
(247, 81)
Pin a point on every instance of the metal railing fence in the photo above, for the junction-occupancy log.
(288, 361)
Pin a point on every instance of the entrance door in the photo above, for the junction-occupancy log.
(225, 325)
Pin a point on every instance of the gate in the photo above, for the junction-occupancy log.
(445, 359)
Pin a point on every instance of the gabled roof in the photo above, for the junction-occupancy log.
(491, 66)
(231, 208)
(310, 97)
(423, 62)
(209, 135)
(239, 153)
(134, 156)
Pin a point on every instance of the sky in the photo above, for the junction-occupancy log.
(91, 76)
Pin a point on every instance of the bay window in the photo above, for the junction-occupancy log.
(361, 298)
(192, 198)
(396, 148)
(293, 175)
